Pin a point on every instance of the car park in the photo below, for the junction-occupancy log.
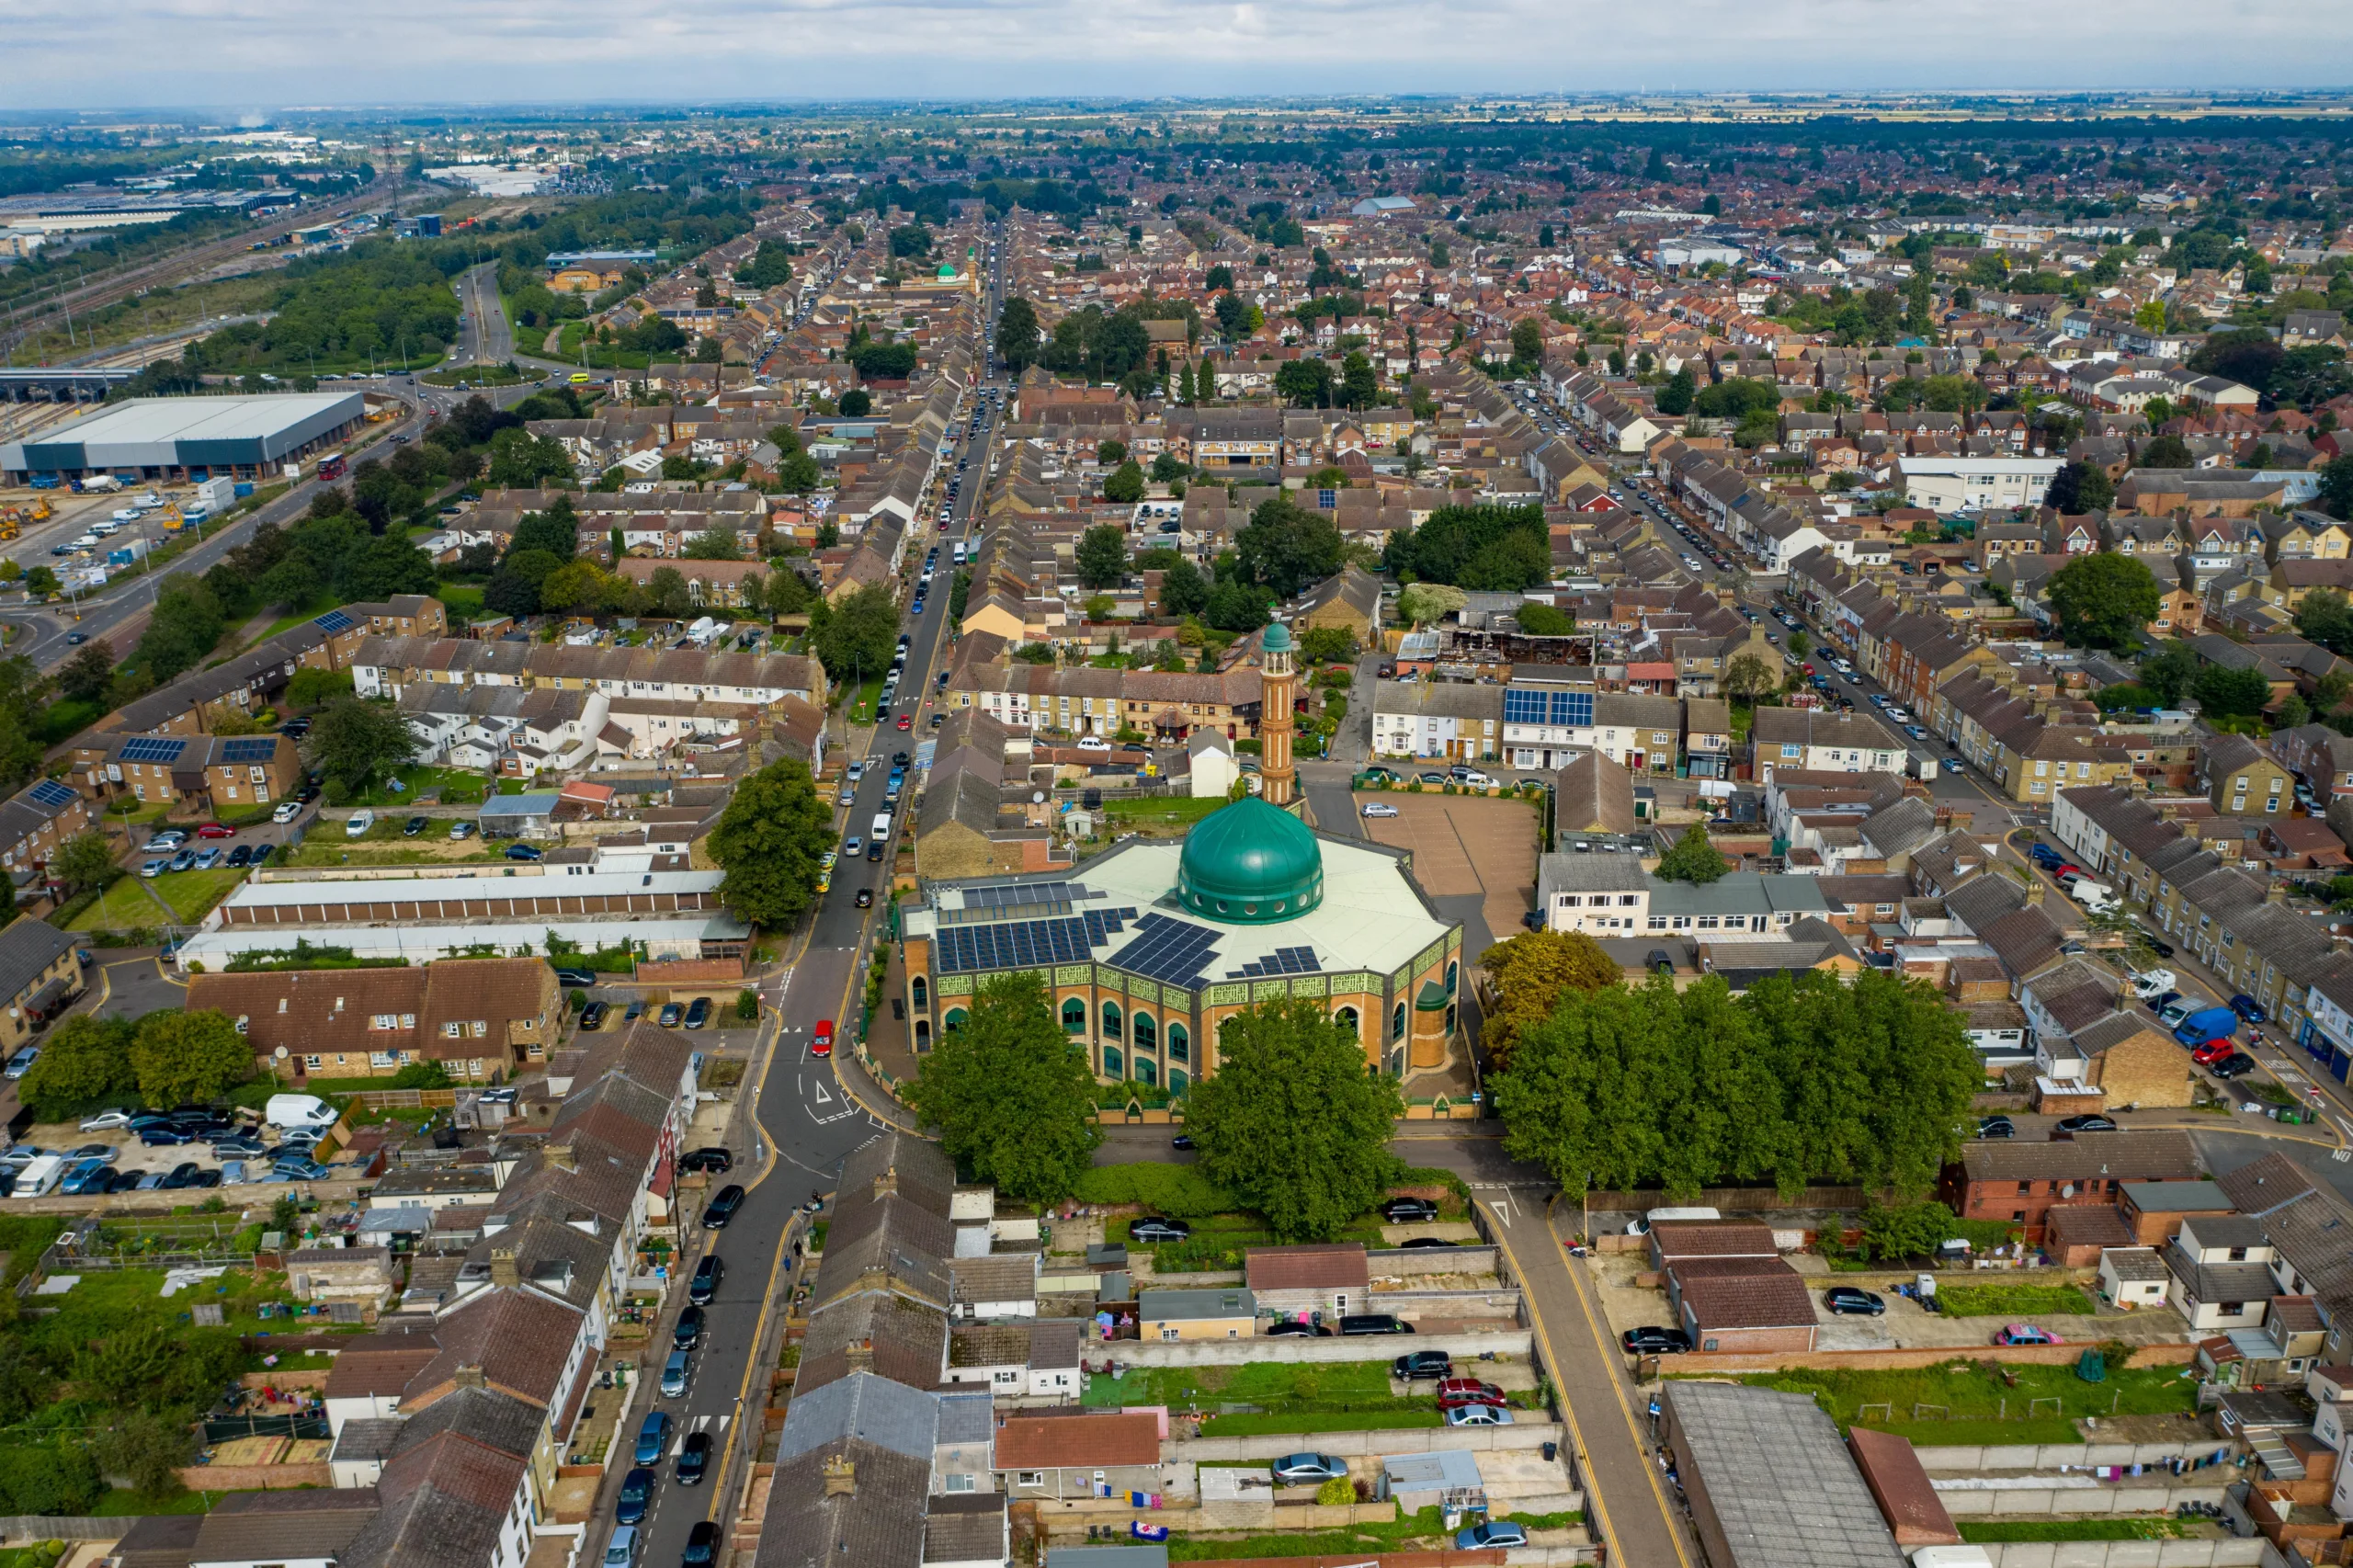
(1848, 1300)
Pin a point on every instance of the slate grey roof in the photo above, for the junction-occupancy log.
(28, 947)
(875, 1519)
(1782, 1487)
(866, 1408)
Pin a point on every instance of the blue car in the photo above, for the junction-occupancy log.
(523, 852)
(79, 1179)
(637, 1495)
(163, 1135)
(1496, 1532)
(653, 1437)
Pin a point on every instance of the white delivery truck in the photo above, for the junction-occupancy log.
(2098, 897)
(40, 1176)
(292, 1111)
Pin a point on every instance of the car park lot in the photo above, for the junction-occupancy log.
(1463, 845)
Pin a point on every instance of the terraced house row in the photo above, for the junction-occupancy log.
(386, 666)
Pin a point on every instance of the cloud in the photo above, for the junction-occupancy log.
(171, 52)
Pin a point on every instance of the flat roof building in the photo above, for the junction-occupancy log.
(1769, 1483)
(181, 438)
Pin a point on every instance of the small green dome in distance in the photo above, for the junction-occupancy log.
(1250, 864)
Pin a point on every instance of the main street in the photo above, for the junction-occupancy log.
(801, 1120)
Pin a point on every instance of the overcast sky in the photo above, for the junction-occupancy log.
(263, 54)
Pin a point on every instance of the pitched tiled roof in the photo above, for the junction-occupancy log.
(1323, 1266)
(1749, 1300)
(1092, 1441)
(2154, 1154)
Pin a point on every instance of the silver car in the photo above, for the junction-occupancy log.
(1294, 1469)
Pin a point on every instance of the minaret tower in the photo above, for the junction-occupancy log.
(1275, 709)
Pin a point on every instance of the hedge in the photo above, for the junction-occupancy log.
(1179, 1190)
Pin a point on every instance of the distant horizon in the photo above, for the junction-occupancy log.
(212, 56)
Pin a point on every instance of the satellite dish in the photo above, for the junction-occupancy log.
(1037, 797)
(280, 1053)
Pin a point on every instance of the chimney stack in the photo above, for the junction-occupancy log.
(559, 1156)
(503, 1272)
(841, 1477)
(2034, 891)
(468, 1377)
(860, 1355)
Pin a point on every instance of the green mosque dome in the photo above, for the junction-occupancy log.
(1250, 863)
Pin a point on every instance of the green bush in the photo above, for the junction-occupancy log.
(1179, 1190)
(421, 1075)
(1433, 1176)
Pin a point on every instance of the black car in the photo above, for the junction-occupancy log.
(687, 1332)
(2163, 949)
(577, 979)
(122, 1181)
(1296, 1330)
(1158, 1230)
(710, 1159)
(165, 1135)
(1408, 1211)
(205, 1179)
(705, 1284)
(1421, 1364)
(865, 899)
(1652, 1340)
(634, 1012)
(699, 1013)
(694, 1458)
(592, 1017)
(1373, 1322)
(1846, 1299)
(2237, 1064)
(1182, 1141)
(670, 1015)
(723, 1204)
(414, 825)
(2083, 1124)
(182, 1175)
(703, 1545)
(243, 855)
(1417, 1244)
(1997, 1126)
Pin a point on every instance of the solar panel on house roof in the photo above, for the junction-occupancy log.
(50, 793)
(335, 620)
(153, 748)
(249, 750)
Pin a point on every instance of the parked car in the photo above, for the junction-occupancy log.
(653, 1437)
(703, 1545)
(722, 1208)
(216, 830)
(694, 1459)
(1997, 1126)
(2213, 1050)
(712, 1158)
(1467, 1390)
(699, 1013)
(2237, 1064)
(1373, 1322)
(106, 1120)
(687, 1332)
(524, 852)
(2247, 1007)
(592, 1017)
(295, 1168)
(170, 838)
(1492, 1533)
(285, 811)
(1652, 1340)
(670, 1015)
(1408, 1211)
(243, 855)
(1378, 808)
(1294, 1329)
(1419, 1364)
(2086, 1123)
(1295, 1470)
(637, 1494)
(674, 1373)
(1420, 1244)
(1154, 1229)
(163, 1135)
(2025, 1333)
(22, 1062)
(622, 1547)
(414, 825)
(1846, 1300)
(707, 1276)
(1478, 1416)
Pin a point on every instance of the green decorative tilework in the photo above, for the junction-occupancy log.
(1220, 995)
(1430, 955)
(1074, 974)
(1308, 986)
(1355, 981)
(953, 986)
(1269, 990)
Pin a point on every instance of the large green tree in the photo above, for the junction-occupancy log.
(2103, 600)
(769, 841)
(1692, 859)
(1012, 1100)
(183, 1057)
(2231, 694)
(84, 861)
(1805, 1078)
(1286, 547)
(856, 638)
(1292, 1123)
(1102, 556)
(356, 740)
(83, 1065)
(1017, 334)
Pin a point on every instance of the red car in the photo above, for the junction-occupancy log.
(2213, 1050)
(1455, 1392)
(824, 1041)
(216, 830)
(906, 721)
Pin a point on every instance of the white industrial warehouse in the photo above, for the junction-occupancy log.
(165, 438)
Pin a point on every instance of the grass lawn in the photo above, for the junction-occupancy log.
(190, 894)
(102, 1301)
(2015, 1301)
(1312, 1389)
(1276, 1423)
(121, 908)
(373, 851)
(457, 787)
(2104, 1527)
(1160, 815)
(1985, 1401)
(462, 600)
(1217, 1242)
(861, 708)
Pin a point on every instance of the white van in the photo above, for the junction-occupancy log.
(1642, 1227)
(2098, 897)
(360, 823)
(300, 1110)
(40, 1176)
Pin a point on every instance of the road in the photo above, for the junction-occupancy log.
(484, 335)
(802, 1122)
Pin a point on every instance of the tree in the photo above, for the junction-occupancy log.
(83, 1065)
(1798, 644)
(2166, 451)
(186, 623)
(2080, 487)
(1329, 645)
(85, 861)
(1167, 468)
(555, 530)
(1544, 620)
(2102, 600)
(856, 404)
(1425, 602)
(294, 582)
(2337, 487)
(769, 842)
(1183, 589)
(2231, 694)
(182, 1057)
(1748, 677)
(1359, 382)
(1527, 973)
(1305, 383)
(1102, 556)
(1017, 334)
(1124, 484)
(1292, 1123)
(857, 636)
(713, 544)
(1693, 859)
(1675, 397)
(1286, 547)
(2323, 617)
(1907, 1230)
(148, 1451)
(2168, 672)
(355, 741)
(1527, 342)
(88, 676)
(311, 685)
(1013, 1100)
